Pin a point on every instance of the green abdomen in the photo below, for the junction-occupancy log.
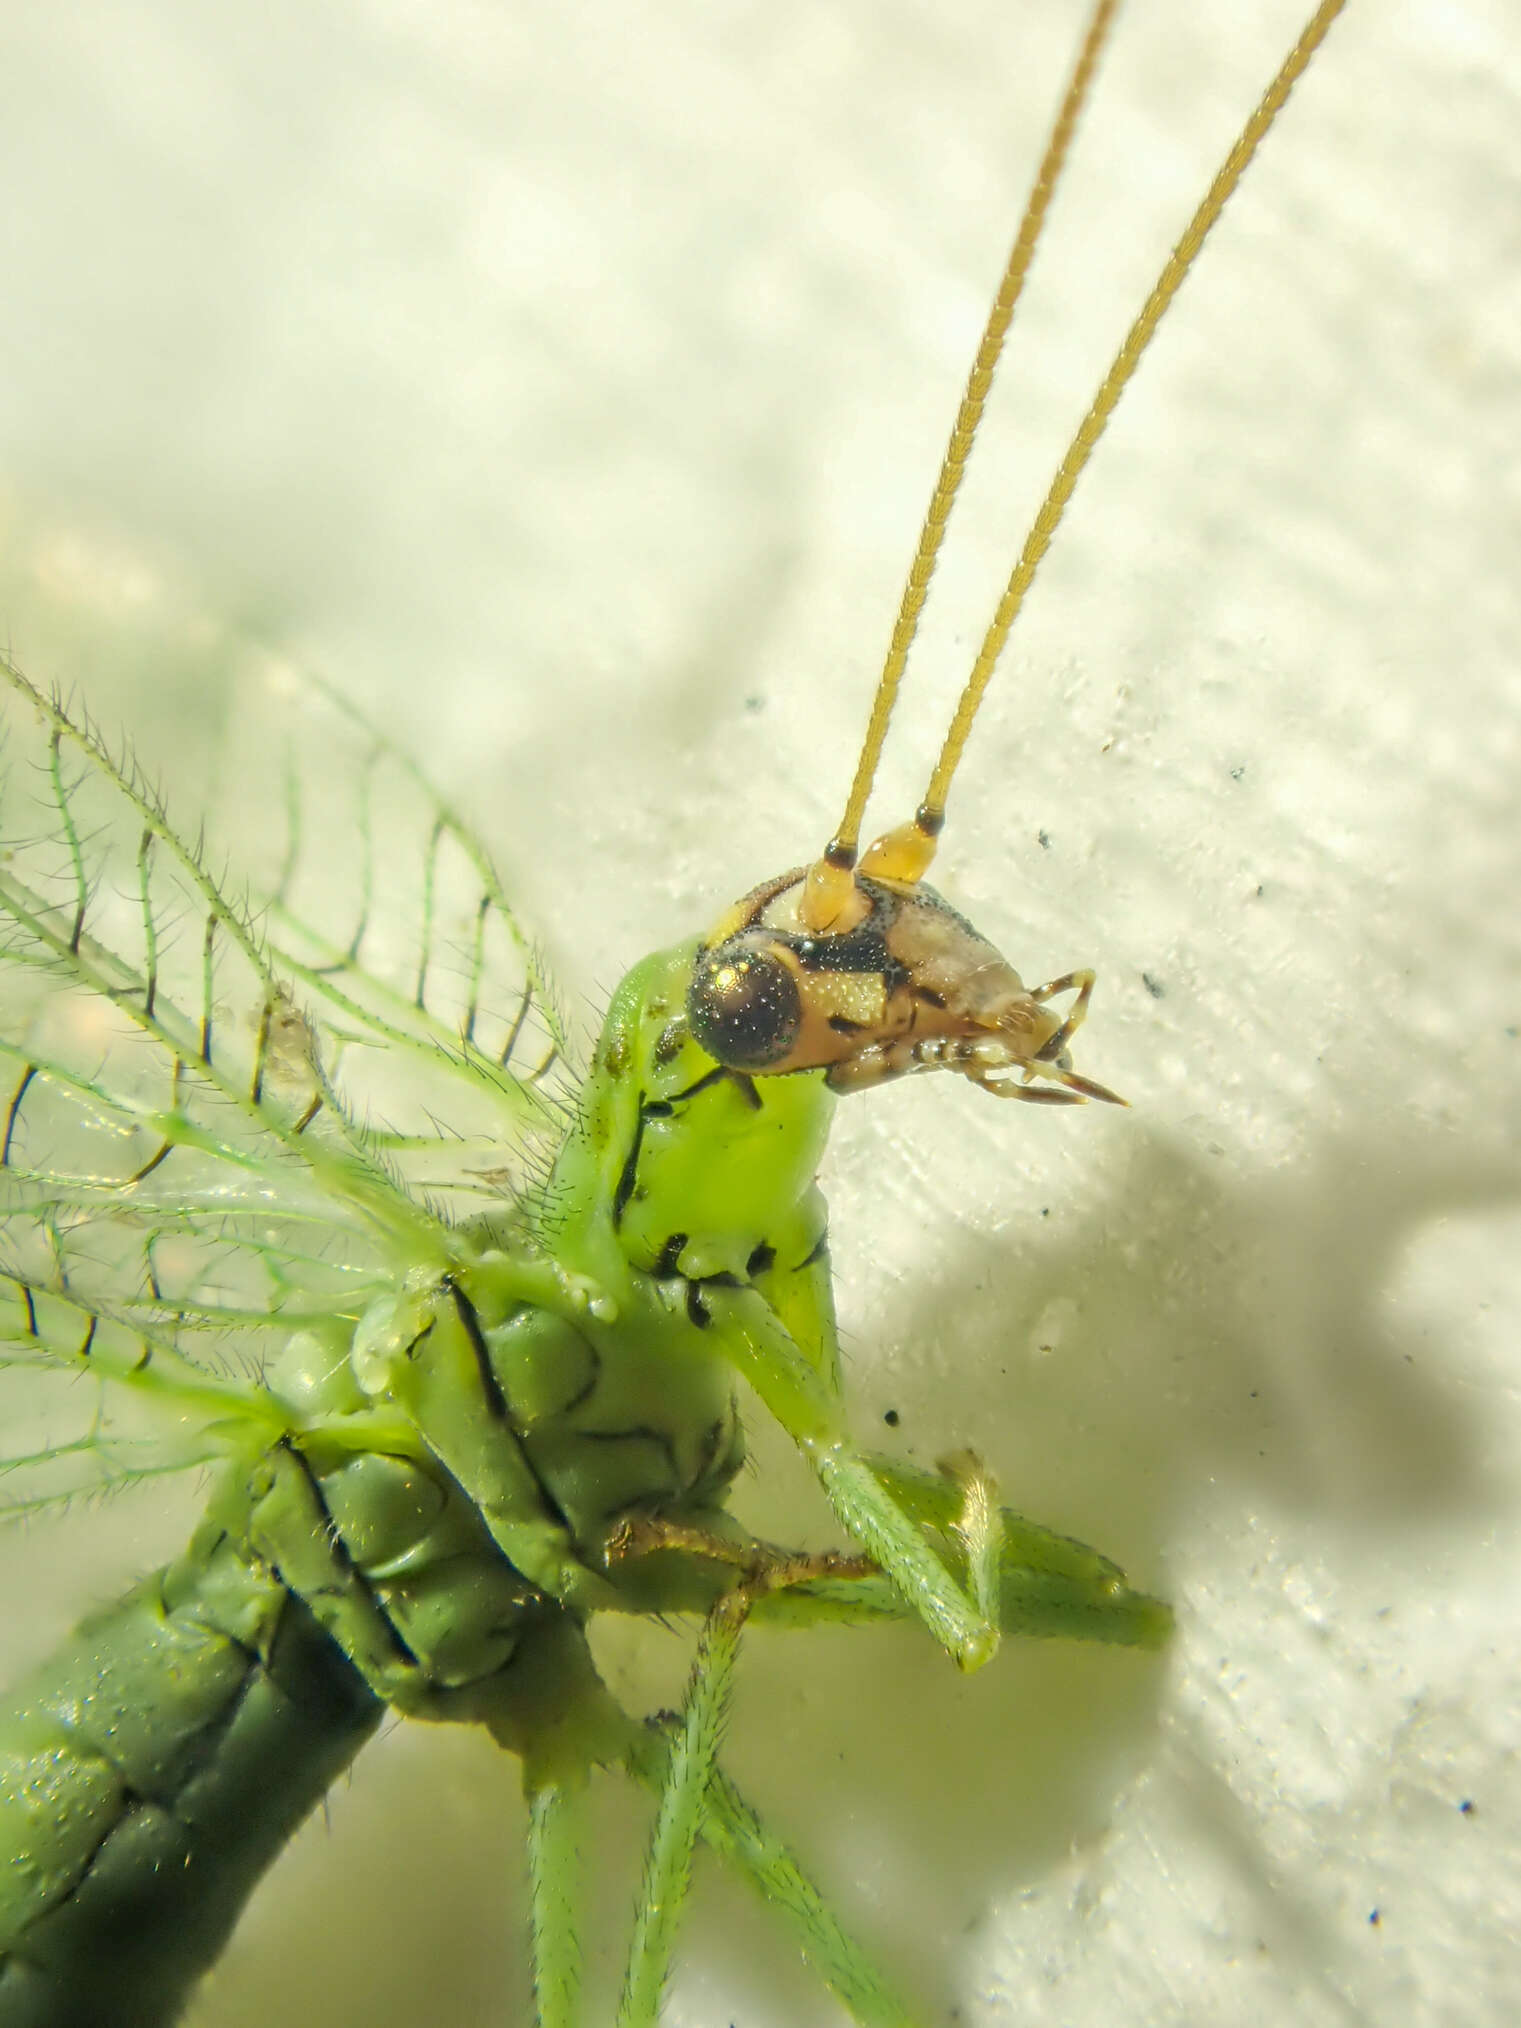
(155, 1765)
(150, 1772)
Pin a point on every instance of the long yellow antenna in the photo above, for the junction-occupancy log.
(931, 815)
(841, 852)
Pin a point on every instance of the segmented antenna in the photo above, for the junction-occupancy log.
(905, 853)
(829, 881)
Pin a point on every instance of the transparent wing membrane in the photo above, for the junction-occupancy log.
(222, 1100)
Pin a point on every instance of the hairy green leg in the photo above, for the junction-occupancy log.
(1038, 1581)
(978, 1527)
(810, 1408)
(555, 1842)
(668, 1868)
(1045, 1584)
(669, 1758)
(735, 1833)
(1049, 1587)
(562, 1719)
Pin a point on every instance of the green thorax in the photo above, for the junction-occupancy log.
(683, 1190)
(677, 1165)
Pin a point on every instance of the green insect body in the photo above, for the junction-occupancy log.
(451, 1415)
(441, 1459)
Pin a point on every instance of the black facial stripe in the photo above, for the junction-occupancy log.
(714, 1076)
(629, 1174)
(859, 950)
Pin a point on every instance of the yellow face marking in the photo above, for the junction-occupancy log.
(857, 997)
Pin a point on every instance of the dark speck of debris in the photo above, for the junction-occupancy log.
(755, 703)
(1045, 1211)
(1153, 986)
(1466, 1806)
(1043, 839)
(1237, 773)
(1258, 891)
(891, 1417)
(1374, 1917)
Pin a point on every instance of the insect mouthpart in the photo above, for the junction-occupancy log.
(911, 986)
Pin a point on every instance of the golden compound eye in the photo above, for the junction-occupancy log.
(744, 1006)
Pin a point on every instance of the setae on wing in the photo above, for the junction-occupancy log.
(226, 1117)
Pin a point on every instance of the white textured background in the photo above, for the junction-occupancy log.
(566, 382)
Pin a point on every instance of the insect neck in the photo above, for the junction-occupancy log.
(677, 1165)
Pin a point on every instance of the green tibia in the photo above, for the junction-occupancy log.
(556, 1871)
(683, 1804)
(735, 1833)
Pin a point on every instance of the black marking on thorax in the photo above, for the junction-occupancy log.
(668, 1262)
(343, 1555)
(628, 1175)
(470, 1324)
(665, 1109)
(820, 1252)
(498, 1405)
